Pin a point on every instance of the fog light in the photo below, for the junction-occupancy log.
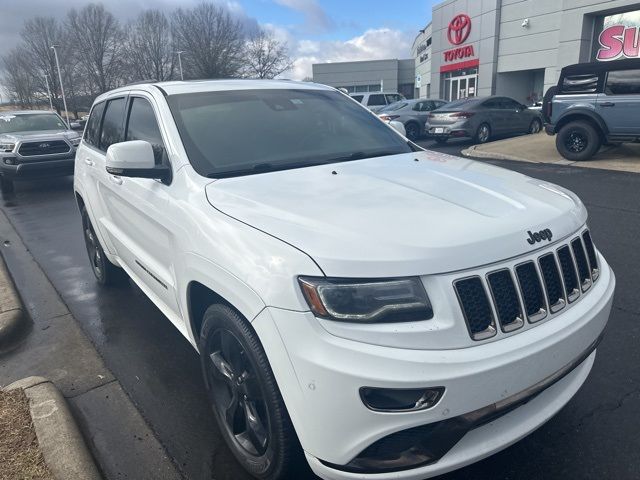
(9, 161)
(400, 400)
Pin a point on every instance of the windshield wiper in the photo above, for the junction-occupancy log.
(361, 156)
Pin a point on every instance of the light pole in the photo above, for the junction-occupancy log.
(64, 99)
(46, 79)
(180, 63)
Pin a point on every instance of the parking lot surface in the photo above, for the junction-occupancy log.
(593, 437)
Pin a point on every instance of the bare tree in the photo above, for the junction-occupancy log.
(38, 35)
(18, 79)
(149, 52)
(266, 57)
(98, 42)
(212, 40)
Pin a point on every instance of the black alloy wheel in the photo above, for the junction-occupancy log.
(245, 398)
(412, 130)
(105, 272)
(237, 394)
(578, 141)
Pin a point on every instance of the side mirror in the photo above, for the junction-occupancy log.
(77, 126)
(398, 127)
(135, 159)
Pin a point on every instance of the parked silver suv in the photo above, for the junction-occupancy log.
(34, 143)
(593, 104)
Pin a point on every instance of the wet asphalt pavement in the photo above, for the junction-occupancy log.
(595, 436)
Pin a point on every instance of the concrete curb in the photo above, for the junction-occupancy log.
(13, 318)
(62, 445)
(473, 152)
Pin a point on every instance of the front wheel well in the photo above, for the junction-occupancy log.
(79, 201)
(199, 298)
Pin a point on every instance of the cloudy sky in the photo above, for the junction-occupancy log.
(316, 30)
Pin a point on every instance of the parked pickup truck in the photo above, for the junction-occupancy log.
(34, 143)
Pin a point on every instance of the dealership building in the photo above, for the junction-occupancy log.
(514, 48)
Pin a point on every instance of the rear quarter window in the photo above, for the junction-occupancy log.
(623, 82)
(587, 83)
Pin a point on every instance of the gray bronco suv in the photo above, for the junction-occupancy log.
(34, 143)
(594, 104)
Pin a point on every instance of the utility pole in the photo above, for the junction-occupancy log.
(64, 99)
(46, 79)
(180, 63)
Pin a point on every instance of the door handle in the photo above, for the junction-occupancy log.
(88, 162)
(116, 179)
(607, 104)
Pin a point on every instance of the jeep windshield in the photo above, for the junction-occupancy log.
(241, 132)
(30, 122)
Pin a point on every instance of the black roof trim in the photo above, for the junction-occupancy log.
(599, 67)
(164, 92)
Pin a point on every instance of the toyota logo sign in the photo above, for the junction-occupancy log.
(459, 29)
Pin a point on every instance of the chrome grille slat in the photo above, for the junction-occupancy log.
(534, 289)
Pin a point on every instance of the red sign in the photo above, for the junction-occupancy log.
(619, 41)
(459, 53)
(459, 29)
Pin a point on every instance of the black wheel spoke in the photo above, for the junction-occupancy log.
(222, 366)
(254, 428)
(231, 410)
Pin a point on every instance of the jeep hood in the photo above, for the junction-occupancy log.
(409, 214)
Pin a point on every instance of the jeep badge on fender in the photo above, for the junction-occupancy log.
(539, 236)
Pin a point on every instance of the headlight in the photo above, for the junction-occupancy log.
(367, 301)
(75, 141)
(7, 147)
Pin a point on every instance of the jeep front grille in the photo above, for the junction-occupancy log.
(46, 147)
(530, 291)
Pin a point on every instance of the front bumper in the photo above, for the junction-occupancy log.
(25, 169)
(320, 376)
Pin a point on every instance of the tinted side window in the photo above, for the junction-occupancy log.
(142, 125)
(418, 106)
(92, 132)
(624, 82)
(377, 99)
(493, 103)
(394, 97)
(580, 84)
(510, 104)
(357, 98)
(112, 124)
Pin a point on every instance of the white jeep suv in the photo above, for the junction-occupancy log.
(385, 311)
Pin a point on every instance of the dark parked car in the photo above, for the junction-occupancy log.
(593, 104)
(481, 118)
(412, 114)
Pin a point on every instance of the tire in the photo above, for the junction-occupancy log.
(535, 127)
(441, 140)
(6, 185)
(412, 130)
(578, 141)
(228, 345)
(483, 134)
(106, 273)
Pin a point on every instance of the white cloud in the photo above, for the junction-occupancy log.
(374, 44)
(316, 19)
